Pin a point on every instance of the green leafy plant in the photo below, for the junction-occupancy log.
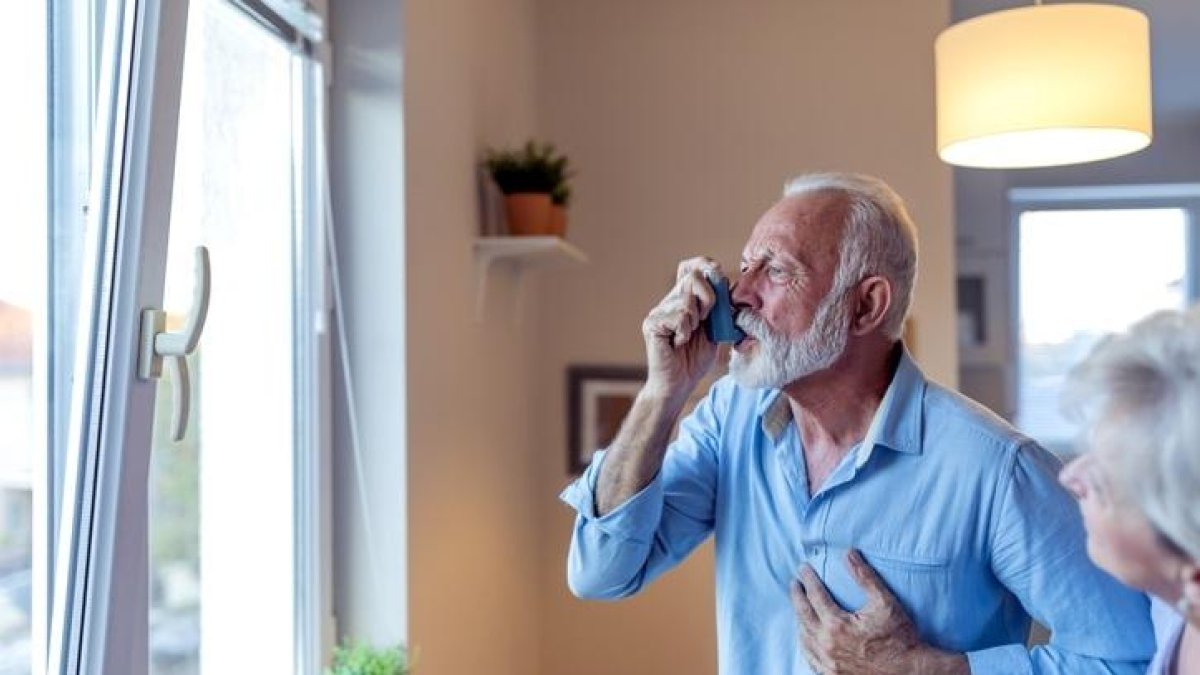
(535, 167)
(362, 659)
(561, 195)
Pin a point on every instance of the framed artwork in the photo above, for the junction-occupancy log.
(982, 315)
(598, 397)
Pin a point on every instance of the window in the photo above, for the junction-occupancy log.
(1086, 269)
(222, 505)
(197, 556)
(46, 61)
(22, 308)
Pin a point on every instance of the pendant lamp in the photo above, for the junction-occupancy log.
(1044, 85)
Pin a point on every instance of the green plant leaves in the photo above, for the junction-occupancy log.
(536, 167)
(362, 659)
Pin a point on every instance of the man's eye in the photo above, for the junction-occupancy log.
(776, 272)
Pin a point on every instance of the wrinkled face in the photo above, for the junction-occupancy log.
(1120, 539)
(795, 321)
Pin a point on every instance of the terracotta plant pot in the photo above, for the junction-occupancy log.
(528, 213)
(558, 220)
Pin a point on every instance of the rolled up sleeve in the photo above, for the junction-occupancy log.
(608, 554)
(615, 555)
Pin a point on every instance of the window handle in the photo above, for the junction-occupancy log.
(157, 344)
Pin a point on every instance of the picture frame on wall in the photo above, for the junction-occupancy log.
(981, 310)
(598, 398)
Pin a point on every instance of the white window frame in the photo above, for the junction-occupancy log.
(111, 409)
(99, 606)
(313, 458)
(73, 37)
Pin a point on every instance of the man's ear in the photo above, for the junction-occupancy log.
(872, 298)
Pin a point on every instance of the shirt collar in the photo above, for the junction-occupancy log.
(896, 424)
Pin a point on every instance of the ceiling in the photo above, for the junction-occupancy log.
(1174, 45)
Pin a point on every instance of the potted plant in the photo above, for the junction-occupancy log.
(528, 176)
(560, 198)
(359, 658)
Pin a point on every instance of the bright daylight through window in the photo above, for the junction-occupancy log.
(1083, 274)
(22, 334)
(221, 545)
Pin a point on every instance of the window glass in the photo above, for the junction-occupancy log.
(23, 279)
(1084, 274)
(221, 500)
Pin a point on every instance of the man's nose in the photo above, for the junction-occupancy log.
(742, 293)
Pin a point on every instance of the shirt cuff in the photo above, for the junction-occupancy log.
(1003, 660)
(636, 519)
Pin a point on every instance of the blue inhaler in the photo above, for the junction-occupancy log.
(720, 326)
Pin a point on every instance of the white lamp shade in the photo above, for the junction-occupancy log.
(1043, 86)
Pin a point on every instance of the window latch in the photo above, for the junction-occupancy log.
(158, 345)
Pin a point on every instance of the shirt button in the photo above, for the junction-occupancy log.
(813, 551)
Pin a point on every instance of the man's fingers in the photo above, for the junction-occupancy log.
(686, 320)
(700, 264)
(816, 661)
(674, 319)
(698, 287)
(817, 595)
(692, 279)
(875, 588)
(809, 626)
(679, 314)
(804, 610)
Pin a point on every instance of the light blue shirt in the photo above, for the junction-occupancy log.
(961, 516)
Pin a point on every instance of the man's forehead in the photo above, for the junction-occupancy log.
(769, 248)
(796, 224)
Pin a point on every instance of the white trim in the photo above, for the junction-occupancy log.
(39, 479)
(115, 640)
(111, 94)
(102, 545)
(298, 16)
(289, 18)
(313, 594)
(367, 176)
(1100, 193)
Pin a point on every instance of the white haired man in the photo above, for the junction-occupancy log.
(846, 492)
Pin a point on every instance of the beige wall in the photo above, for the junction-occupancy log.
(684, 117)
(473, 553)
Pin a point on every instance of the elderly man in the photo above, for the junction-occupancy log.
(846, 492)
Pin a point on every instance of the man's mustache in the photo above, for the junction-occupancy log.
(752, 324)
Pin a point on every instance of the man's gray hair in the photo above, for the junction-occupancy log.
(1141, 390)
(880, 237)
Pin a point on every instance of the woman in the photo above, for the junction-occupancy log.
(1138, 397)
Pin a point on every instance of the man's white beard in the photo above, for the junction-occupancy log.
(778, 361)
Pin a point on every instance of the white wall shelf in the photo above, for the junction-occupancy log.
(520, 255)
